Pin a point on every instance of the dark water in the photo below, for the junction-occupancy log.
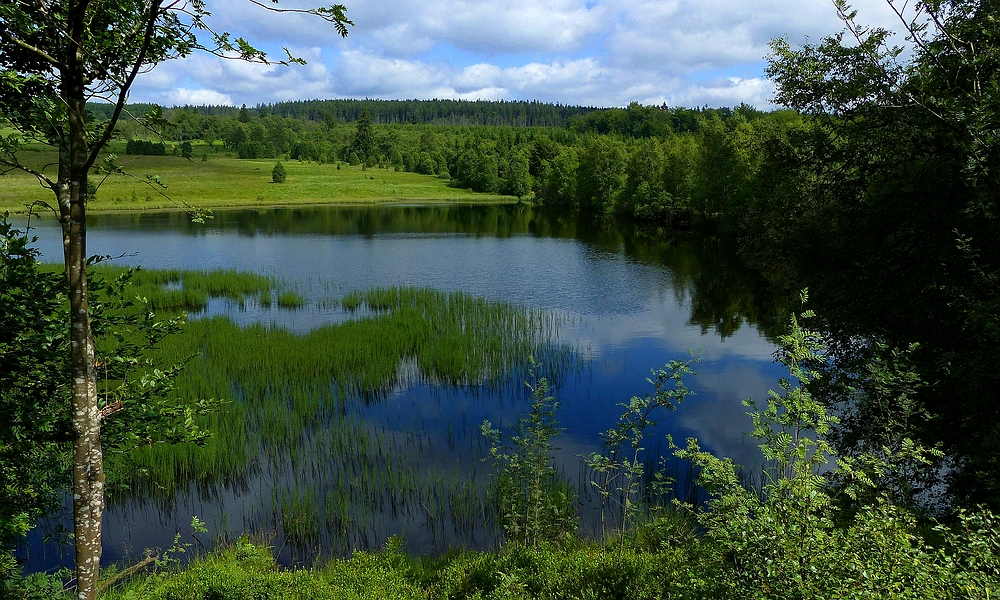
(629, 301)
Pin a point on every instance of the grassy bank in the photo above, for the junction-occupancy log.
(666, 559)
(246, 570)
(225, 181)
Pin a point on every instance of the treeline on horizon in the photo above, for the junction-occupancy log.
(652, 163)
(510, 113)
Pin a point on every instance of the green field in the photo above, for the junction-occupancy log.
(226, 181)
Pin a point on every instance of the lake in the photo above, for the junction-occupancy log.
(623, 301)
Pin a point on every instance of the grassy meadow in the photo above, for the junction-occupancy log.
(222, 180)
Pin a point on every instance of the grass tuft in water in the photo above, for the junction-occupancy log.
(335, 478)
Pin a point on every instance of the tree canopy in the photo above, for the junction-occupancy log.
(888, 200)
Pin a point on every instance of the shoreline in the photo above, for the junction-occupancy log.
(351, 202)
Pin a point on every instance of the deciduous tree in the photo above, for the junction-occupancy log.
(898, 223)
(55, 56)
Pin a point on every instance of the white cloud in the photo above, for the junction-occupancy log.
(732, 91)
(238, 81)
(199, 97)
(408, 26)
(514, 25)
(596, 52)
(480, 74)
(685, 36)
(364, 74)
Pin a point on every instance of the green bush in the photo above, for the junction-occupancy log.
(533, 502)
(802, 537)
(145, 147)
(278, 173)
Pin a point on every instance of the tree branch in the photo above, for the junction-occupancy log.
(150, 559)
(154, 9)
(26, 46)
(42, 179)
(335, 14)
(111, 409)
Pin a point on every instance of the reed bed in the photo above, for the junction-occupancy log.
(173, 290)
(336, 482)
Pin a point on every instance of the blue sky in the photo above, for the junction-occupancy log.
(590, 52)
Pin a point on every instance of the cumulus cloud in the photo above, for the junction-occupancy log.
(594, 52)
(756, 91)
(364, 74)
(235, 81)
(490, 27)
(686, 36)
(199, 97)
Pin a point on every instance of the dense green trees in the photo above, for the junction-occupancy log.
(145, 147)
(707, 163)
(414, 112)
(708, 160)
(885, 201)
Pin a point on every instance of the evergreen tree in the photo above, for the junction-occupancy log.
(278, 173)
(364, 143)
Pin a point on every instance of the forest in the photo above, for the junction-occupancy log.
(654, 164)
(874, 188)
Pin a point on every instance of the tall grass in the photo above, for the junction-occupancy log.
(337, 481)
(173, 290)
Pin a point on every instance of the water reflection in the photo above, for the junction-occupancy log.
(629, 301)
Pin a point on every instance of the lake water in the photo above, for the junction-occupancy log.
(628, 300)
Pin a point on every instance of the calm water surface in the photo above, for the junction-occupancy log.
(628, 300)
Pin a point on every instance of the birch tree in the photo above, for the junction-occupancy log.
(55, 56)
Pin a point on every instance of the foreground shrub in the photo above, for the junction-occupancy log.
(249, 571)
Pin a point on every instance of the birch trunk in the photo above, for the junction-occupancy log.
(88, 459)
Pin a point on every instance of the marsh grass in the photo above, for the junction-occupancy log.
(173, 291)
(289, 300)
(337, 481)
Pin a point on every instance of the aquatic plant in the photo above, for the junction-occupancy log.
(287, 418)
